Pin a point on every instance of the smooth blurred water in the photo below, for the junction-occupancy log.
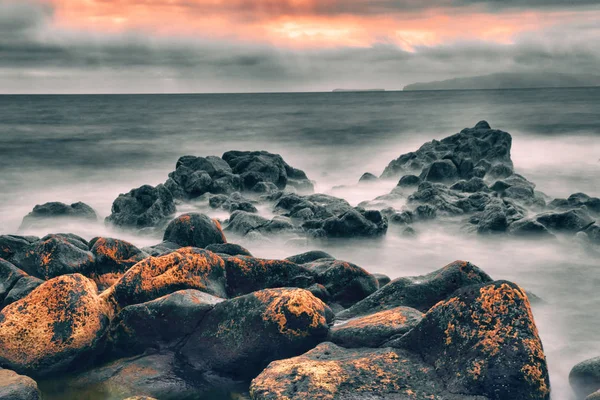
(91, 148)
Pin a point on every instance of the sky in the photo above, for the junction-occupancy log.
(165, 46)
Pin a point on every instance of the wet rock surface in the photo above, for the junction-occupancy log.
(45, 213)
(143, 207)
(17, 387)
(195, 230)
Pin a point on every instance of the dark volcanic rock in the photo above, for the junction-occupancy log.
(113, 258)
(347, 283)
(194, 176)
(409, 181)
(239, 337)
(232, 203)
(585, 377)
(49, 211)
(336, 373)
(242, 223)
(248, 274)
(154, 277)
(420, 292)
(55, 328)
(55, 255)
(12, 244)
(196, 230)
(493, 219)
(367, 177)
(473, 185)
(159, 323)
(483, 341)
(9, 276)
(143, 207)
(571, 221)
(309, 256)
(356, 223)
(375, 329)
(229, 249)
(528, 227)
(499, 171)
(17, 387)
(21, 289)
(441, 171)
(382, 279)
(161, 249)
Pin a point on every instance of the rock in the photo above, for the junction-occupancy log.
(161, 249)
(409, 181)
(444, 200)
(382, 279)
(592, 204)
(420, 292)
(375, 329)
(332, 372)
(409, 232)
(425, 212)
(473, 185)
(154, 277)
(483, 341)
(9, 276)
(367, 177)
(17, 387)
(242, 223)
(493, 219)
(239, 337)
(571, 221)
(248, 274)
(55, 328)
(356, 223)
(585, 377)
(51, 211)
(113, 258)
(499, 171)
(232, 203)
(441, 171)
(12, 244)
(159, 323)
(593, 233)
(154, 375)
(195, 230)
(21, 289)
(143, 207)
(312, 207)
(265, 187)
(55, 255)
(309, 256)
(528, 227)
(228, 248)
(594, 396)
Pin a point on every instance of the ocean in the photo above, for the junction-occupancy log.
(90, 148)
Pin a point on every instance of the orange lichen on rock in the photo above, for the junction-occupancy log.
(56, 323)
(220, 228)
(394, 317)
(284, 304)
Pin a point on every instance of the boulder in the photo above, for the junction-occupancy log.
(55, 255)
(229, 249)
(420, 292)
(347, 283)
(248, 274)
(9, 276)
(160, 323)
(239, 337)
(113, 258)
(493, 219)
(356, 223)
(499, 171)
(440, 171)
(13, 244)
(571, 221)
(161, 249)
(309, 256)
(21, 289)
(528, 227)
(195, 230)
(41, 214)
(483, 341)
(332, 372)
(585, 377)
(17, 387)
(232, 203)
(382, 279)
(409, 181)
(368, 177)
(56, 328)
(473, 185)
(143, 207)
(375, 329)
(312, 207)
(154, 277)
(594, 396)
(242, 223)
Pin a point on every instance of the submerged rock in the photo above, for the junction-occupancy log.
(45, 213)
(368, 177)
(239, 337)
(585, 377)
(55, 328)
(571, 221)
(196, 230)
(143, 207)
(17, 387)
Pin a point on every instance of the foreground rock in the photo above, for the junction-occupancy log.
(21, 289)
(483, 341)
(419, 292)
(154, 277)
(332, 372)
(143, 207)
(239, 337)
(17, 387)
(113, 257)
(195, 230)
(585, 377)
(9, 276)
(44, 214)
(55, 328)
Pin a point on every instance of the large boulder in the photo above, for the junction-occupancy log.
(420, 292)
(113, 257)
(194, 176)
(441, 171)
(17, 387)
(483, 341)
(55, 255)
(196, 230)
(585, 377)
(356, 223)
(312, 207)
(493, 219)
(159, 323)
(528, 227)
(249, 274)
(375, 329)
(55, 328)
(571, 221)
(335, 373)
(143, 207)
(239, 337)
(242, 223)
(43, 214)
(154, 277)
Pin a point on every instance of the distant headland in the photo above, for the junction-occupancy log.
(358, 90)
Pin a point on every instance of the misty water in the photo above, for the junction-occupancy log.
(91, 148)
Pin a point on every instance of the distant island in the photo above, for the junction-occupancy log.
(510, 81)
(358, 90)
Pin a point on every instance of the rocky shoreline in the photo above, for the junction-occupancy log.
(198, 316)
